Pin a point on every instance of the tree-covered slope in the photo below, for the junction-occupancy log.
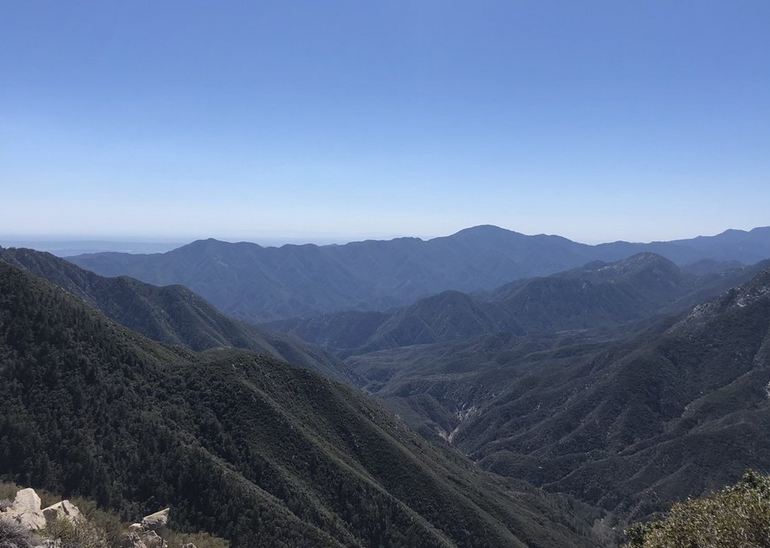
(679, 410)
(170, 314)
(628, 418)
(240, 445)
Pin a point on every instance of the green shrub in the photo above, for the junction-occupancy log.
(83, 534)
(200, 540)
(735, 516)
(108, 522)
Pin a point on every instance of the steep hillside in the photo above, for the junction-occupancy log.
(628, 418)
(448, 316)
(170, 314)
(262, 284)
(438, 388)
(680, 410)
(240, 445)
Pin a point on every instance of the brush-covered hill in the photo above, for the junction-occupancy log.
(448, 316)
(597, 295)
(680, 410)
(738, 515)
(261, 284)
(238, 444)
(170, 314)
(630, 419)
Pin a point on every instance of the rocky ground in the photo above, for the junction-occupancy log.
(25, 524)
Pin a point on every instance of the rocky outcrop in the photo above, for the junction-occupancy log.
(156, 521)
(26, 516)
(62, 510)
(25, 510)
(144, 534)
(143, 539)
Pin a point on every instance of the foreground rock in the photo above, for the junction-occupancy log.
(25, 511)
(144, 534)
(156, 521)
(26, 517)
(62, 510)
(143, 539)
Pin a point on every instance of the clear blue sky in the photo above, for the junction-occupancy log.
(321, 120)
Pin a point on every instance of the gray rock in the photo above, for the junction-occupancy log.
(31, 520)
(151, 539)
(143, 539)
(62, 510)
(25, 510)
(157, 520)
(27, 500)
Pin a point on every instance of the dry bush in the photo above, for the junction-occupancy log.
(8, 490)
(735, 516)
(13, 535)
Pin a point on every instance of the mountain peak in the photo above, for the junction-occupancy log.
(212, 243)
(484, 231)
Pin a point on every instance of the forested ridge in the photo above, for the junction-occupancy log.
(170, 314)
(240, 445)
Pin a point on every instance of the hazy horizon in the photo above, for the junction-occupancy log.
(341, 121)
(74, 245)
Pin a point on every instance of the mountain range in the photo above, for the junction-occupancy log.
(483, 389)
(260, 284)
(594, 296)
(243, 446)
